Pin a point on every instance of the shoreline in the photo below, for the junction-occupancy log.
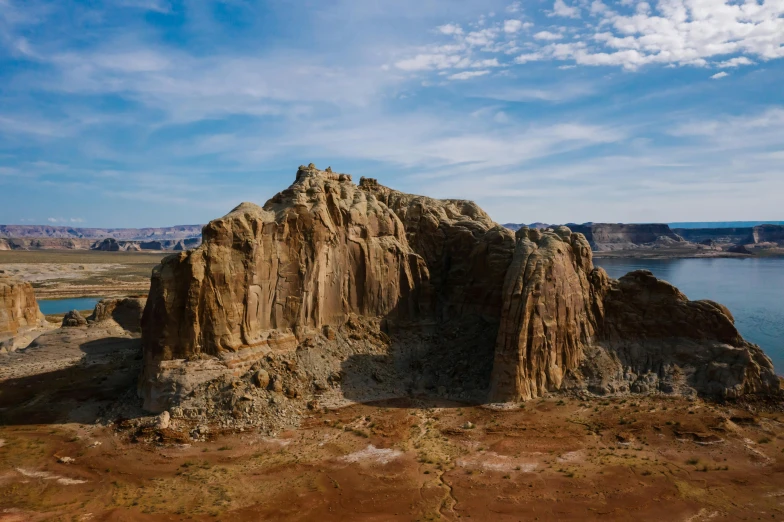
(653, 254)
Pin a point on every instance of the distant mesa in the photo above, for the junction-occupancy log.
(127, 234)
(614, 237)
(360, 292)
(23, 237)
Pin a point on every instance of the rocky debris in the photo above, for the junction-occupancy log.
(339, 291)
(163, 421)
(261, 379)
(74, 319)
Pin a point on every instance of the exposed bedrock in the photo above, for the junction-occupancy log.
(20, 317)
(418, 280)
(18, 307)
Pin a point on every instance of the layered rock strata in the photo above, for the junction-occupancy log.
(607, 237)
(352, 284)
(18, 307)
(20, 317)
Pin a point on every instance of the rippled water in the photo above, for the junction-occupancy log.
(753, 290)
(61, 306)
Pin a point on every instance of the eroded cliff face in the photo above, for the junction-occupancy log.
(18, 307)
(312, 256)
(547, 317)
(344, 288)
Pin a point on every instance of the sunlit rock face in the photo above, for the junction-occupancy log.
(18, 307)
(266, 280)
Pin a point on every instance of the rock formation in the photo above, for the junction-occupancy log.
(126, 312)
(604, 237)
(20, 317)
(73, 319)
(333, 285)
(18, 307)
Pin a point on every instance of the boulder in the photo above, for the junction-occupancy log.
(74, 319)
(126, 312)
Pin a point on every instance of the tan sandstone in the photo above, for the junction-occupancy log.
(410, 294)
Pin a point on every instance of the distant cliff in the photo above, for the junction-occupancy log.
(605, 237)
(105, 245)
(609, 237)
(735, 236)
(127, 234)
(517, 226)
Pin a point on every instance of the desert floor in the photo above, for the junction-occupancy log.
(559, 458)
(57, 274)
(74, 445)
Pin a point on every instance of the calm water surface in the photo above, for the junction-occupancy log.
(61, 306)
(753, 290)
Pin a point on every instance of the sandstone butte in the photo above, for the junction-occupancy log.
(327, 257)
(18, 307)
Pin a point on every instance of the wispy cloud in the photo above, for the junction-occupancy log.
(187, 111)
(631, 36)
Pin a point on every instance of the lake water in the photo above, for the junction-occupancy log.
(61, 306)
(753, 290)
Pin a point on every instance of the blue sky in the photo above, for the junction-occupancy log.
(163, 112)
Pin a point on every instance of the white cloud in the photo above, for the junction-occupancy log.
(481, 38)
(424, 62)
(512, 26)
(514, 7)
(597, 7)
(547, 35)
(720, 75)
(148, 5)
(467, 75)
(501, 117)
(704, 33)
(64, 220)
(450, 29)
(529, 57)
(735, 62)
(561, 9)
(490, 62)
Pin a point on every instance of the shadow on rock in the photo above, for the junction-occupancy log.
(101, 385)
(422, 369)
